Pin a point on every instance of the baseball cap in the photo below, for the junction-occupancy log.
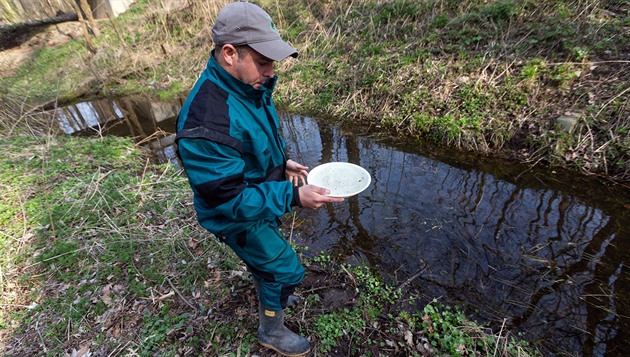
(243, 23)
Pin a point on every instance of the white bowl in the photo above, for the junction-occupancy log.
(343, 179)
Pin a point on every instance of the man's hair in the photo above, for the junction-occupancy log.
(240, 49)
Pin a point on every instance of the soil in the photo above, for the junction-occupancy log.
(17, 45)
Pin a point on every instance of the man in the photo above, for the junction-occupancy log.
(228, 141)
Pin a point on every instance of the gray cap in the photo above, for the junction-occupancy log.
(243, 23)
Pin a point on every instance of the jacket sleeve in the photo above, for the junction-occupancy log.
(216, 174)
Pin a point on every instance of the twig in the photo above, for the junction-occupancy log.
(612, 100)
(180, 294)
(412, 277)
(40, 337)
(115, 350)
(10, 236)
(350, 275)
(496, 346)
(530, 168)
(292, 225)
(165, 296)
(596, 62)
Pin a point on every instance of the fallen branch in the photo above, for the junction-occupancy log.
(412, 277)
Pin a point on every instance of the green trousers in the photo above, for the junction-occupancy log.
(271, 260)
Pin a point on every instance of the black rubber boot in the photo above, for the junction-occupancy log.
(273, 334)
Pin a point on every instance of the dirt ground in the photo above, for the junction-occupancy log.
(18, 46)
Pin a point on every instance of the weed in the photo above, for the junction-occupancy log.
(533, 69)
(323, 259)
(450, 332)
(362, 60)
(158, 327)
(62, 256)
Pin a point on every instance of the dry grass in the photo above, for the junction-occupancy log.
(486, 77)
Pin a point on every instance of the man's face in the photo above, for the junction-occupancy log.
(251, 67)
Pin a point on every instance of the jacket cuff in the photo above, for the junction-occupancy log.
(296, 197)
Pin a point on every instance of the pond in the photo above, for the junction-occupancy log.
(531, 250)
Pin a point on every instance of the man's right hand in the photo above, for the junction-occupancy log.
(314, 197)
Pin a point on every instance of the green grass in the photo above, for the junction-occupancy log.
(50, 73)
(97, 216)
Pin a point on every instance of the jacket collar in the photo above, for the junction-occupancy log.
(233, 85)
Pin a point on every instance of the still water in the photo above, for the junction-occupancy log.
(531, 250)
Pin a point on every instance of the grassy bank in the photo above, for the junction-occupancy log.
(101, 255)
(545, 82)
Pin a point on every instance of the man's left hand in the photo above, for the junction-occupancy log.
(296, 173)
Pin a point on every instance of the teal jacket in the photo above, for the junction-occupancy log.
(232, 152)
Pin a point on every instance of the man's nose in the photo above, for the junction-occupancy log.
(269, 72)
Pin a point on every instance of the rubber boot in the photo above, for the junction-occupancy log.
(273, 334)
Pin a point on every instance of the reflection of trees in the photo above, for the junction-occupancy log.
(356, 238)
(132, 121)
(541, 257)
(549, 266)
(135, 117)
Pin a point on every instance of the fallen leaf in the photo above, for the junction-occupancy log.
(192, 243)
(106, 294)
(115, 331)
(83, 352)
(426, 318)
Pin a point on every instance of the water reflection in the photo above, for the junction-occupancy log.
(86, 115)
(531, 250)
(150, 122)
(546, 260)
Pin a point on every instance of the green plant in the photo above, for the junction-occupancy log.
(323, 259)
(443, 328)
(451, 332)
(533, 69)
(158, 327)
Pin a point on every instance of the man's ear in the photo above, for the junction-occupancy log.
(229, 54)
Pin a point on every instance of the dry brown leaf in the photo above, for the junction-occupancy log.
(426, 318)
(192, 243)
(106, 294)
(115, 331)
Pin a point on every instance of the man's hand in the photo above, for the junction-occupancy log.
(314, 197)
(296, 173)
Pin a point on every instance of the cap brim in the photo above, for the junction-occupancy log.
(276, 50)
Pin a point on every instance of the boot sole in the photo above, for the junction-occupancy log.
(284, 353)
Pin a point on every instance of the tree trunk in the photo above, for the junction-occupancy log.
(86, 32)
(87, 12)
